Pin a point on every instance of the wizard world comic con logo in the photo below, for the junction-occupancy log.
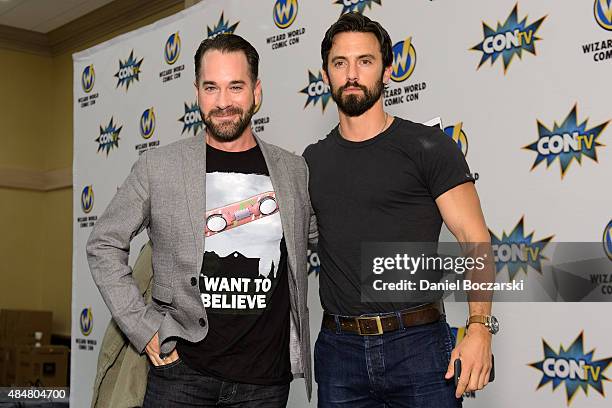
(316, 90)
(404, 60)
(222, 27)
(508, 40)
(573, 367)
(402, 68)
(284, 13)
(458, 135)
(603, 13)
(87, 199)
(129, 71)
(172, 49)
(358, 6)
(566, 142)
(518, 251)
(86, 321)
(88, 78)
(607, 240)
(147, 123)
(109, 137)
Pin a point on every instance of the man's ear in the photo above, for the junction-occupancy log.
(387, 74)
(257, 92)
(325, 77)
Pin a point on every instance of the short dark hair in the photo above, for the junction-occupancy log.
(228, 43)
(357, 23)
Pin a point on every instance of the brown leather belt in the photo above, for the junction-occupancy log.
(375, 325)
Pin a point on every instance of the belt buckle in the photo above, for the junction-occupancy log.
(378, 325)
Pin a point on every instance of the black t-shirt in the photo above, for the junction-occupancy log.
(379, 190)
(243, 282)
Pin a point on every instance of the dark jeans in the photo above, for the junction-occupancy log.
(178, 385)
(404, 368)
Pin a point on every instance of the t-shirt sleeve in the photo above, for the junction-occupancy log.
(443, 163)
(306, 154)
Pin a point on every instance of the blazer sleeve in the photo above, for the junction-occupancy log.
(313, 231)
(108, 250)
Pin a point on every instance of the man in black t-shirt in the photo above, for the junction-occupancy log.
(377, 178)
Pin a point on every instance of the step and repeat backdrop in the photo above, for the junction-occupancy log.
(523, 88)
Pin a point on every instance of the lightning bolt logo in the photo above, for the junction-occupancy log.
(284, 13)
(607, 240)
(458, 135)
(404, 60)
(87, 199)
(86, 321)
(603, 13)
(147, 123)
(172, 50)
(88, 78)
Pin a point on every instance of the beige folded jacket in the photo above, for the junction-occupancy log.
(121, 375)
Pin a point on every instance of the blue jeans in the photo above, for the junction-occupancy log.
(178, 385)
(403, 368)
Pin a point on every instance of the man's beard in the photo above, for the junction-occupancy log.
(228, 131)
(357, 105)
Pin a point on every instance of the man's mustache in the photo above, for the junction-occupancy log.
(226, 112)
(354, 84)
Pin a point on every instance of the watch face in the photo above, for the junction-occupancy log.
(494, 325)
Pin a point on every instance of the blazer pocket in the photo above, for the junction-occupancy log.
(161, 294)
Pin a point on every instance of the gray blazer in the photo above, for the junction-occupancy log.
(165, 193)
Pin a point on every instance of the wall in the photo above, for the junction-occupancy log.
(23, 77)
(37, 135)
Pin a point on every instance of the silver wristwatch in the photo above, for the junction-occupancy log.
(490, 322)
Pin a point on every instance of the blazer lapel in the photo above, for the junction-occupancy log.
(284, 196)
(194, 173)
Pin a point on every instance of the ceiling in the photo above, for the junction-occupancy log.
(45, 15)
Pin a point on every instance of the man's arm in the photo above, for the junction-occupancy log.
(108, 251)
(462, 214)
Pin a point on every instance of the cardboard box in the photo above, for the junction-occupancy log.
(17, 327)
(45, 366)
(6, 359)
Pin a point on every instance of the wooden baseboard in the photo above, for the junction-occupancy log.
(36, 180)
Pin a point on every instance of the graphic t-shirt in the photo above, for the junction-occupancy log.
(243, 283)
(379, 190)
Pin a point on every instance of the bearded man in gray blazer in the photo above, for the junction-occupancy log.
(229, 219)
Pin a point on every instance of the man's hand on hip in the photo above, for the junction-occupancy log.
(475, 354)
(153, 351)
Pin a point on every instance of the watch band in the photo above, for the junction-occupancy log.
(489, 321)
(483, 319)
